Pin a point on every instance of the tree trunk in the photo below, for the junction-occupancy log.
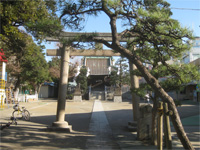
(16, 89)
(151, 80)
(17, 85)
(16, 93)
(38, 88)
(166, 98)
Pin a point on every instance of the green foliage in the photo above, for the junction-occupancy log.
(141, 92)
(114, 77)
(34, 66)
(28, 65)
(160, 39)
(81, 80)
(26, 60)
(55, 62)
(36, 17)
(171, 77)
(124, 76)
(54, 69)
(70, 96)
(177, 102)
(157, 37)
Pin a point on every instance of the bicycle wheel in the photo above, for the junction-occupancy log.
(26, 115)
(17, 114)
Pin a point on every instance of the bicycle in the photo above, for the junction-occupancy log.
(20, 112)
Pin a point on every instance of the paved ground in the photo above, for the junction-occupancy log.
(95, 124)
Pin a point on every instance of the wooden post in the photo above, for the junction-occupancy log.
(160, 126)
(167, 129)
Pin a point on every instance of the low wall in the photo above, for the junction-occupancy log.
(27, 98)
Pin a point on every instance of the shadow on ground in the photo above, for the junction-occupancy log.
(33, 134)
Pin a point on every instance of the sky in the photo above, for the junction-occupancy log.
(187, 12)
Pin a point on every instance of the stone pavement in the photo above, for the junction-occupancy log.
(95, 124)
(100, 128)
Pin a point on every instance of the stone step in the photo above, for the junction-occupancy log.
(97, 92)
(97, 95)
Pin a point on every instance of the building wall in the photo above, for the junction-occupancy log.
(192, 56)
(51, 91)
(194, 53)
(44, 92)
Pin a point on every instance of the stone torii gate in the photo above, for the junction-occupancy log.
(65, 52)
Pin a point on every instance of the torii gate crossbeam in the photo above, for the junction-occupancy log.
(56, 52)
(69, 35)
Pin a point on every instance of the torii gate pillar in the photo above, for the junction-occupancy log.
(60, 123)
(135, 98)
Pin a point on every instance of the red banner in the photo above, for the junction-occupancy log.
(2, 56)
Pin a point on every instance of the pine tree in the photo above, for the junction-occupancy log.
(120, 73)
(81, 80)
